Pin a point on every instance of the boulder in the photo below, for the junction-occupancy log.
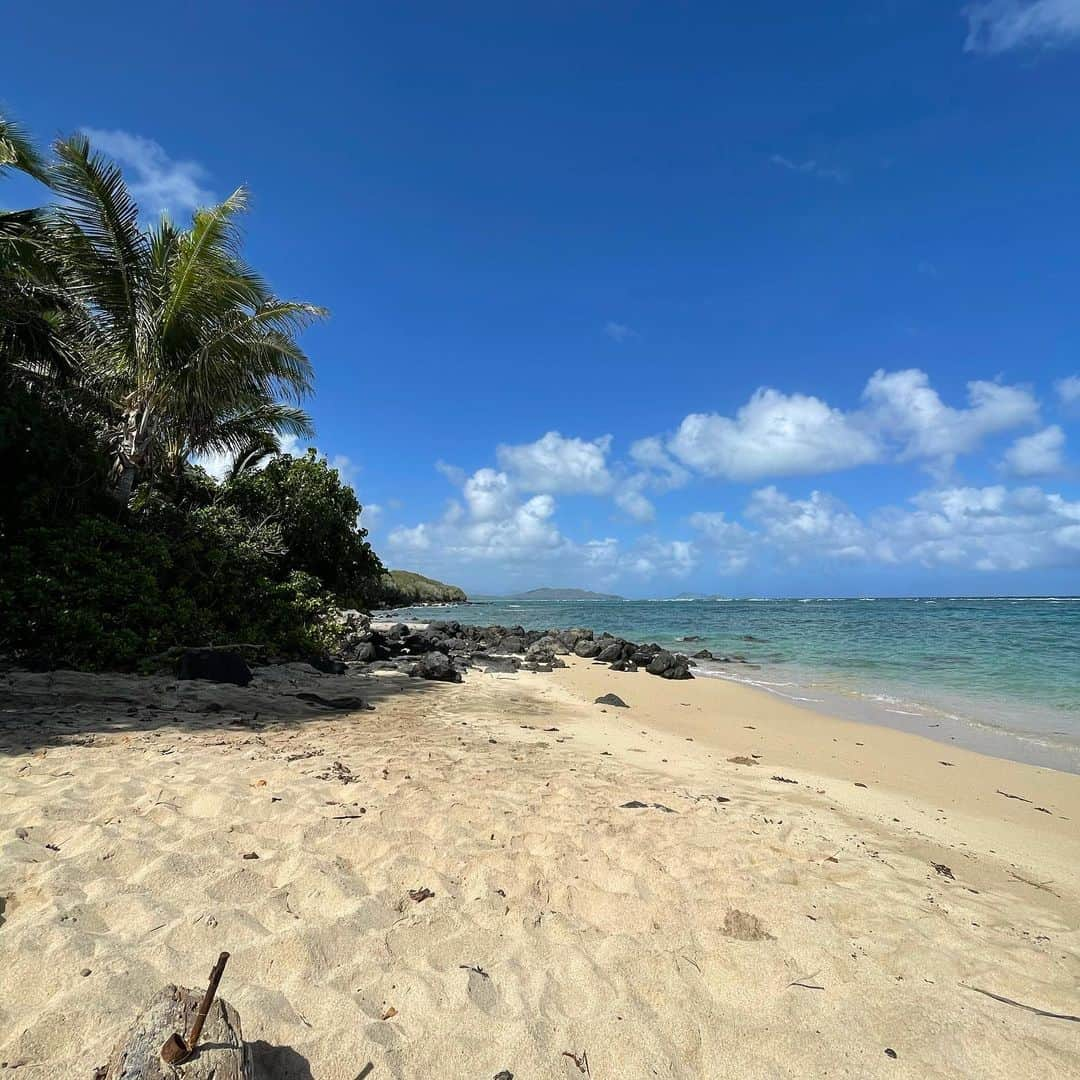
(669, 666)
(435, 666)
(214, 665)
(587, 648)
(365, 652)
(643, 654)
(327, 665)
(610, 653)
(495, 664)
(704, 654)
(624, 665)
(512, 644)
(612, 699)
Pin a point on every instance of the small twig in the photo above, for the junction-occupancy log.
(1036, 884)
(582, 1061)
(689, 961)
(1021, 1005)
(474, 967)
(1008, 796)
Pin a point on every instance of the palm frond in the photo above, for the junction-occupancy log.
(97, 227)
(17, 150)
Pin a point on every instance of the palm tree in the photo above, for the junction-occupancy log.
(33, 307)
(186, 347)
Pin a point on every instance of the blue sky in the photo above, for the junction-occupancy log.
(646, 297)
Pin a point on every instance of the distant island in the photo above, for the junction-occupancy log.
(403, 588)
(561, 594)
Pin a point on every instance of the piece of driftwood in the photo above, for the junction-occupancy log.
(221, 1054)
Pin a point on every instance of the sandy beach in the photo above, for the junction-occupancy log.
(708, 883)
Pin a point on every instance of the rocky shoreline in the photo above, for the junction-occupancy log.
(445, 650)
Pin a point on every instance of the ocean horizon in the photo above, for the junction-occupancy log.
(997, 674)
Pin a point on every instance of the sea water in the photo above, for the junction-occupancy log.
(999, 675)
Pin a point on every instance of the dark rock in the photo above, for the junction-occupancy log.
(327, 665)
(365, 652)
(643, 654)
(398, 630)
(612, 699)
(498, 664)
(704, 654)
(610, 653)
(512, 643)
(214, 665)
(624, 665)
(435, 666)
(669, 666)
(587, 648)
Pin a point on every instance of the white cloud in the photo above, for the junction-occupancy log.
(729, 543)
(820, 525)
(903, 405)
(158, 183)
(1068, 389)
(217, 464)
(619, 332)
(1041, 454)
(632, 502)
(653, 557)
(371, 515)
(489, 495)
(774, 434)
(997, 26)
(810, 168)
(661, 471)
(559, 465)
(453, 473)
(987, 529)
(990, 528)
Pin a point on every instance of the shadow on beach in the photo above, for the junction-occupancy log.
(43, 709)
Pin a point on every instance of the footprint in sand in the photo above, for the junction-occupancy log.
(482, 990)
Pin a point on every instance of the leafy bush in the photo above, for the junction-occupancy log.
(258, 560)
(317, 517)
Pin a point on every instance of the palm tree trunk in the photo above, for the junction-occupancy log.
(124, 485)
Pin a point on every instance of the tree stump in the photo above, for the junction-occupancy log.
(220, 1055)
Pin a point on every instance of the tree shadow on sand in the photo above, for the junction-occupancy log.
(42, 709)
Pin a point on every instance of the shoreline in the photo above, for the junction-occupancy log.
(1001, 727)
(603, 879)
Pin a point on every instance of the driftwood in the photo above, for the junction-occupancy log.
(221, 1054)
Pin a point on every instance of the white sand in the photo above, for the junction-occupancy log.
(659, 944)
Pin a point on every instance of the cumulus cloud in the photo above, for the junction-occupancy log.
(904, 405)
(819, 526)
(774, 434)
(1041, 454)
(636, 505)
(158, 182)
(660, 470)
(991, 528)
(1068, 389)
(729, 544)
(559, 465)
(903, 417)
(997, 26)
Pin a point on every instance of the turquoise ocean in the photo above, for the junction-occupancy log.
(998, 675)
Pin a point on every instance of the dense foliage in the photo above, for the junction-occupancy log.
(401, 588)
(126, 352)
